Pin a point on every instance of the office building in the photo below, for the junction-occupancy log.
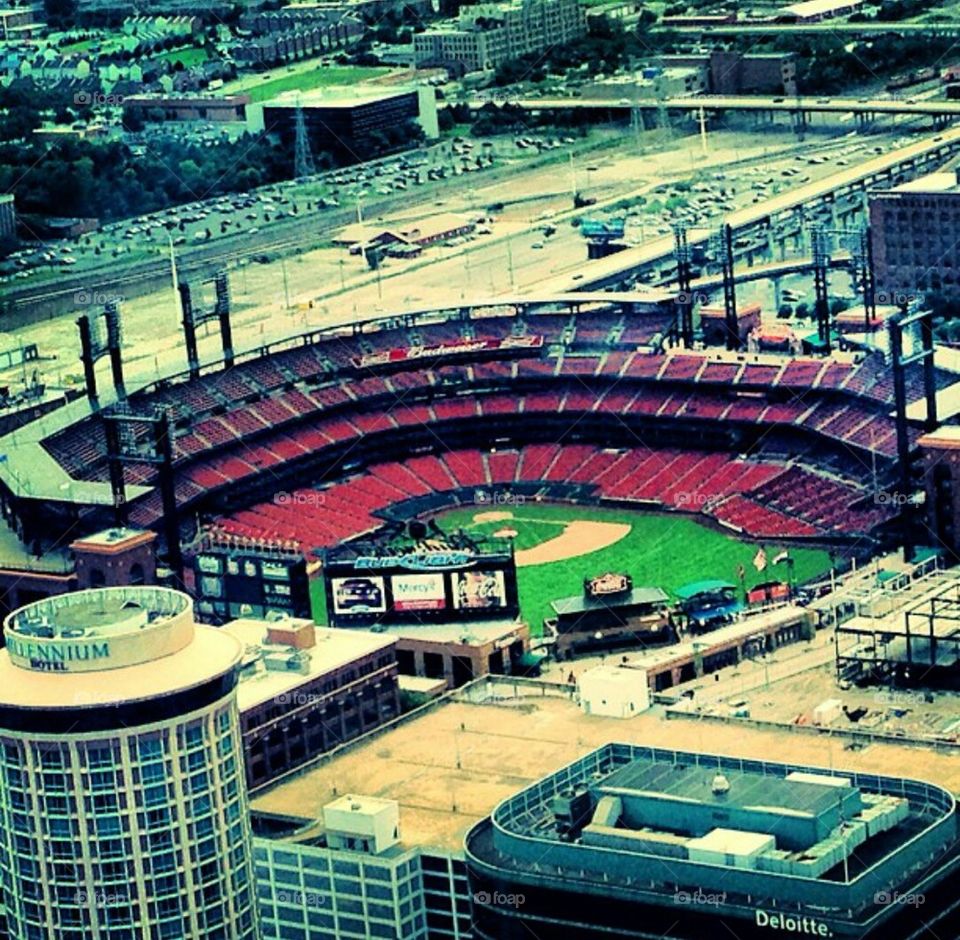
(123, 807)
(775, 840)
(8, 217)
(346, 121)
(915, 230)
(634, 841)
(729, 72)
(485, 35)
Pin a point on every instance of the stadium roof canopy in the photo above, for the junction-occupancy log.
(580, 603)
(703, 587)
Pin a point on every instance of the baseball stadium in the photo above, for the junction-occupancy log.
(574, 428)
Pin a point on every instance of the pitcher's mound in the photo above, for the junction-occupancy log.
(578, 538)
(492, 516)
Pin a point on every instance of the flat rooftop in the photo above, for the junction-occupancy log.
(581, 603)
(940, 182)
(94, 613)
(340, 96)
(820, 7)
(333, 649)
(746, 789)
(470, 633)
(452, 764)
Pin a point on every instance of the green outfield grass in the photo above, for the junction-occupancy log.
(665, 550)
(321, 77)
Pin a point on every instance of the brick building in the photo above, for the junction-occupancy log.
(190, 107)
(733, 73)
(305, 690)
(915, 230)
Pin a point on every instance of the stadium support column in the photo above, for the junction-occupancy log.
(111, 313)
(929, 371)
(901, 361)
(87, 357)
(189, 329)
(115, 464)
(163, 448)
(685, 293)
(223, 313)
(866, 277)
(729, 289)
(821, 260)
(903, 440)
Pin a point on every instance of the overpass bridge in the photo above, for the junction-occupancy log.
(783, 211)
(797, 106)
(949, 30)
(772, 269)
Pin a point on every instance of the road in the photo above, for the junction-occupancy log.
(815, 29)
(620, 266)
(750, 103)
(328, 286)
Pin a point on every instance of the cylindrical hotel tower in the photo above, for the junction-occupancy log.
(123, 807)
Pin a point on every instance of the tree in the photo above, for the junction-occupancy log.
(445, 119)
(133, 120)
(61, 14)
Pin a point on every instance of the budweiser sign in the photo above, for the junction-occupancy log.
(458, 348)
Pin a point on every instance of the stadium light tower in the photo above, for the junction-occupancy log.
(899, 325)
(144, 438)
(821, 262)
(682, 254)
(729, 288)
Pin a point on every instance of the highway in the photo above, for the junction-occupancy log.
(791, 105)
(619, 267)
(815, 29)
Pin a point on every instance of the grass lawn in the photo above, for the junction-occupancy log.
(321, 77)
(662, 550)
(189, 56)
(72, 47)
(665, 550)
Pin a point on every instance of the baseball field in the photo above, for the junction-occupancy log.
(557, 546)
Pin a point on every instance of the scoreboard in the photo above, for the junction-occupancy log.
(369, 586)
(249, 581)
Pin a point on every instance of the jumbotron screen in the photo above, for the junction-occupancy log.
(419, 586)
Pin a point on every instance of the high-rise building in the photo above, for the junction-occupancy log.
(486, 35)
(915, 229)
(123, 806)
